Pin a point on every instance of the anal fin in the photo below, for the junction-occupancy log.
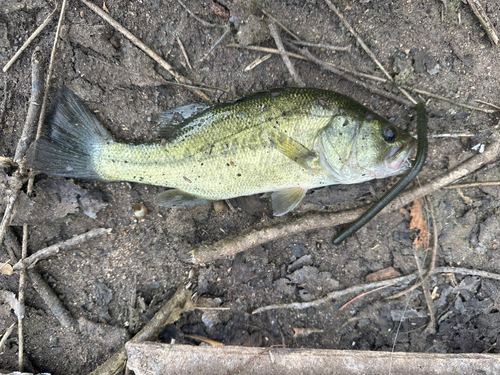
(287, 199)
(293, 149)
(176, 198)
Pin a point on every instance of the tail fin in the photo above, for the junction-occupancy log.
(72, 137)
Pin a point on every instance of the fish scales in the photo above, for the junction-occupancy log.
(280, 140)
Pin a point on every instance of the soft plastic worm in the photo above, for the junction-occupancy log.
(422, 147)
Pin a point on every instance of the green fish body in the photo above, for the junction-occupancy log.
(283, 141)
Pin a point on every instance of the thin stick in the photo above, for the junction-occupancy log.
(491, 105)
(50, 70)
(367, 50)
(488, 26)
(257, 62)
(30, 39)
(300, 57)
(325, 46)
(5, 336)
(277, 39)
(474, 184)
(184, 53)
(143, 47)
(279, 23)
(21, 297)
(362, 295)
(204, 58)
(460, 135)
(34, 107)
(425, 288)
(179, 303)
(4, 101)
(203, 22)
(427, 93)
(359, 288)
(232, 245)
(366, 86)
(358, 39)
(32, 260)
(40, 285)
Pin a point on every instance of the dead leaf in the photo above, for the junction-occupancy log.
(385, 274)
(6, 269)
(104, 7)
(418, 222)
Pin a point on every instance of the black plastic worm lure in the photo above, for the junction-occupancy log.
(422, 147)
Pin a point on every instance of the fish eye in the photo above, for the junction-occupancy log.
(389, 134)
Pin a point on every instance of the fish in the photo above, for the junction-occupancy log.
(280, 142)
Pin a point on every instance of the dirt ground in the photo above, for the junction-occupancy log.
(422, 43)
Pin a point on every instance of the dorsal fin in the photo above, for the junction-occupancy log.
(175, 120)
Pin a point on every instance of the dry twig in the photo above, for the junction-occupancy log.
(184, 53)
(31, 261)
(431, 95)
(365, 47)
(368, 87)
(144, 47)
(488, 26)
(325, 46)
(300, 57)
(29, 40)
(279, 23)
(277, 39)
(179, 303)
(232, 245)
(6, 335)
(203, 22)
(359, 288)
(39, 284)
(474, 184)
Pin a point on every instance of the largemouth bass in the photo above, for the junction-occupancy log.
(282, 141)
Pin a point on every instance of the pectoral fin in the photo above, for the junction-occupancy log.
(293, 149)
(176, 198)
(286, 200)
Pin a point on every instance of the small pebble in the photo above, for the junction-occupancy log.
(140, 210)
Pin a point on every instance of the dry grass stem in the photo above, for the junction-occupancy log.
(184, 53)
(358, 39)
(325, 46)
(474, 184)
(232, 245)
(460, 135)
(385, 283)
(144, 48)
(204, 58)
(488, 26)
(5, 336)
(361, 296)
(280, 24)
(49, 72)
(431, 95)
(427, 295)
(31, 261)
(300, 57)
(277, 39)
(203, 22)
(29, 40)
(366, 86)
(491, 105)
(257, 62)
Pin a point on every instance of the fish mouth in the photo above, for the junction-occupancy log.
(398, 159)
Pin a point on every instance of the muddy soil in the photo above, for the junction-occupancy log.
(422, 43)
